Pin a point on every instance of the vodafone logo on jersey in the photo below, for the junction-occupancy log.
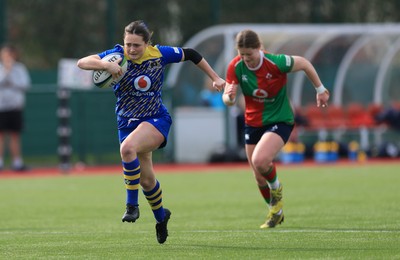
(142, 83)
(260, 93)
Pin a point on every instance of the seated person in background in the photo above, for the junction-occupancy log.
(390, 116)
(210, 97)
(300, 120)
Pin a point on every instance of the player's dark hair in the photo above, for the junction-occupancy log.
(139, 28)
(248, 39)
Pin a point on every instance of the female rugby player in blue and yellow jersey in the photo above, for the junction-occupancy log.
(143, 120)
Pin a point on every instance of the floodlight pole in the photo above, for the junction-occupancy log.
(64, 129)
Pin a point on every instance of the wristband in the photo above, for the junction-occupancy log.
(321, 89)
(227, 100)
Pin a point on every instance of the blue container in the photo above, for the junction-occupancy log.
(321, 157)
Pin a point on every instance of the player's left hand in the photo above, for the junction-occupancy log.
(113, 68)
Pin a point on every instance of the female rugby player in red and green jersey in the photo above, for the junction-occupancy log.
(269, 118)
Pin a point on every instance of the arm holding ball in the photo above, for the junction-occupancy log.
(94, 62)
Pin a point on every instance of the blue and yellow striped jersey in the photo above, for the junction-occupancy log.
(139, 91)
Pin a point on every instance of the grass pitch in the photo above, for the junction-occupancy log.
(331, 212)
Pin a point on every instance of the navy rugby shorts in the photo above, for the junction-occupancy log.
(128, 125)
(254, 134)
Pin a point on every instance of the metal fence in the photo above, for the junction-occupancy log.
(93, 132)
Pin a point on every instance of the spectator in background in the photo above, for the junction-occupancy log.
(389, 116)
(300, 120)
(14, 81)
(210, 97)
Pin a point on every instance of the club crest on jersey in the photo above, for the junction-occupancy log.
(155, 65)
(260, 93)
(142, 83)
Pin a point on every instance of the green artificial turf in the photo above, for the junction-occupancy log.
(331, 212)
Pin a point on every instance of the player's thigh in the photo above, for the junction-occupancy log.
(270, 143)
(257, 174)
(267, 148)
(145, 138)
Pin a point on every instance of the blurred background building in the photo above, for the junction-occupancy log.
(353, 44)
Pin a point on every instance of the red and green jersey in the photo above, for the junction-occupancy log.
(264, 89)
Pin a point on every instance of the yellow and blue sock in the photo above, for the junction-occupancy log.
(132, 180)
(154, 197)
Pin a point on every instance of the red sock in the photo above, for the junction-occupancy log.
(265, 193)
(270, 176)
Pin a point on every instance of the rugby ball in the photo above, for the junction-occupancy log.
(104, 79)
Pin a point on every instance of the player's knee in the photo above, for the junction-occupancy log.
(147, 183)
(262, 164)
(127, 151)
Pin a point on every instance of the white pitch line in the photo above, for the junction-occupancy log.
(292, 231)
(216, 231)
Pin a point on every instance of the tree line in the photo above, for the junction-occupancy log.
(45, 30)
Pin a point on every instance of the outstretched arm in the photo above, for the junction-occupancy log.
(303, 64)
(196, 58)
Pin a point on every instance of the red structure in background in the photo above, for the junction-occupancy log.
(353, 116)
